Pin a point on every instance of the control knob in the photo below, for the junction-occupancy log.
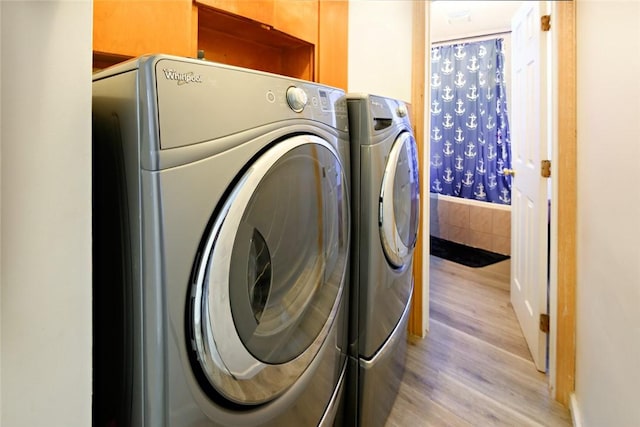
(296, 98)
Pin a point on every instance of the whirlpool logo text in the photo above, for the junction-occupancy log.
(182, 78)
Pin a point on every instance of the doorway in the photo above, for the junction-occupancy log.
(462, 24)
(563, 213)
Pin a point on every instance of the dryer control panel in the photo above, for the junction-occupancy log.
(200, 101)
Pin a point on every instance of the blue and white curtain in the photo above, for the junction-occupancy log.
(470, 141)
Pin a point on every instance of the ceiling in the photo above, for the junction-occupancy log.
(457, 19)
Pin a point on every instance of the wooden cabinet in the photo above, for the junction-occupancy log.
(132, 28)
(305, 39)
(333, 43)
(256, 10)
(298, 18)
(236, 40)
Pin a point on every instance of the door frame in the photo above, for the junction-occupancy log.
(419, 314)
(563, 213)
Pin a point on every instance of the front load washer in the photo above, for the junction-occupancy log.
(385, 206)
(221, 246)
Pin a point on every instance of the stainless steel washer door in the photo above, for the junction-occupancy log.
(399, 208)
(272, 271)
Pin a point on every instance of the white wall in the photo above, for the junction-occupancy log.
(45, 170)
(455, 19)
(608, 282)
(0, 215)
(380, 41)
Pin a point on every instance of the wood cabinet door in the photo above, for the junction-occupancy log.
(257, 10)
(133, 28)
(298, 18)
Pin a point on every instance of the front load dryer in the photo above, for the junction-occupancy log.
(221, 245)
(385, 205)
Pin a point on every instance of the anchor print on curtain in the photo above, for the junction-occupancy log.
(470, 141)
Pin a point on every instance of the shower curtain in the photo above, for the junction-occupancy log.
(470, 141)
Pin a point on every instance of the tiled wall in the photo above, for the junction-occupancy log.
(478, 224)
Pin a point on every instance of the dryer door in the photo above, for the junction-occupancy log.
(272, 271)
(399, 208)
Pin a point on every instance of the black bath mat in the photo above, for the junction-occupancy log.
(462, 254)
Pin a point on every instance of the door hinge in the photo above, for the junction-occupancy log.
(545, 168)
(544, 323)
(545, 22)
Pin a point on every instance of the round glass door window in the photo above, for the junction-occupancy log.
(272, 271)
(399, 210)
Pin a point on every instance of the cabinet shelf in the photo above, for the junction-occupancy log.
(235, 40)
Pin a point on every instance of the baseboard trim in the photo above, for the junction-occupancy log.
(576, 417)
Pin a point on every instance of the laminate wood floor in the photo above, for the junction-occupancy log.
(473, 368)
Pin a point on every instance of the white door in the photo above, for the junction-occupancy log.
(529, 189)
